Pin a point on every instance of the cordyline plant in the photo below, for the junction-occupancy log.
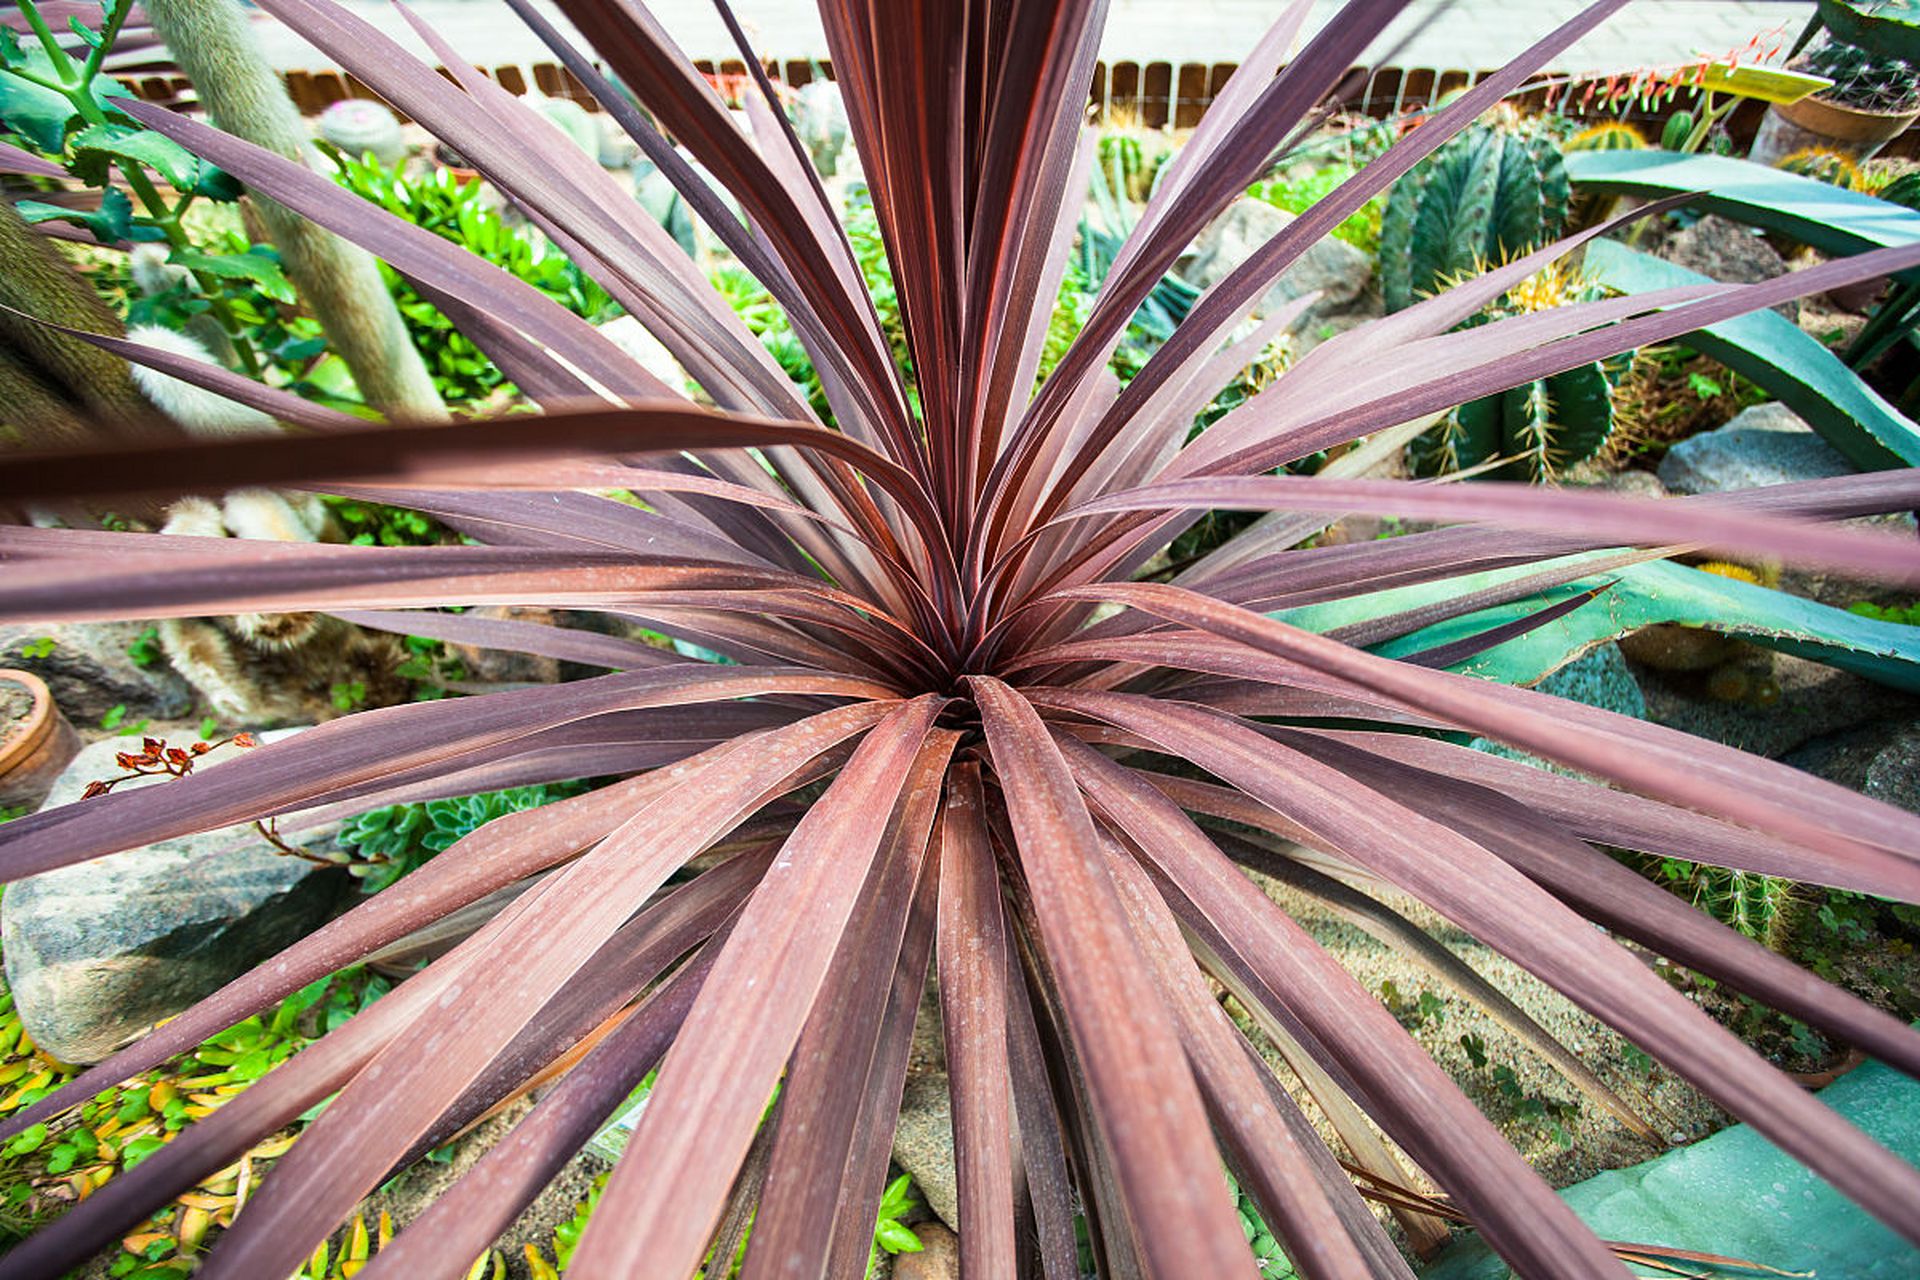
(938, 740)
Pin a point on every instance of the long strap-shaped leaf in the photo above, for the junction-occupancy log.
(1305, 1214)
(668, 1190)
(488, 858)
(812, 1154)
(393, 1101)
(1489, 899)
(973, 967)
(281, 775)
(1612, 895)
(1650, 759)
(1615, 518)
(1141, 1092)
(463, 1223)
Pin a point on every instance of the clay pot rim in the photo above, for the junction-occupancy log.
(40, 720)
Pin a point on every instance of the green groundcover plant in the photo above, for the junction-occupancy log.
(937, 739)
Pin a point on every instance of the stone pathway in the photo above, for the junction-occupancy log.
(1467, 35)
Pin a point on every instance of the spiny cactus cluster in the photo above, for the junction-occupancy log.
(1863, 80)
(1487, 196)
(1826, 166)
(1903, 189)
(1540, 428)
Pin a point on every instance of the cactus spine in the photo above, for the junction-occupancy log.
(1484, 197)
(340, 282)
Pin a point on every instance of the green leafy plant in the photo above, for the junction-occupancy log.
(35, 650)
(1297, 195)
(937, 739)
(460, 211)
(62, 106)
(389, 842)
(890, 1235)
(144, 650)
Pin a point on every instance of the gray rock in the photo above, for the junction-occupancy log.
(1767, 444)
(99, 951)
(1730, 252)
(90, 672)
(1894, 775)
(923, 1144)
(1335, 268)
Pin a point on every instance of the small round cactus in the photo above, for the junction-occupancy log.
(358, 127)
(571, 119)
(1608, 135)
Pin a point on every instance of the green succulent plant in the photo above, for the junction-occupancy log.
(1487, 196)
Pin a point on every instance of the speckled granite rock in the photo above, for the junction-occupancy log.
(1767, 444)
(923, 1144)
(99, 951)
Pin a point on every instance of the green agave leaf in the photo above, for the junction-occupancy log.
(1791, 364)
(1831, 219)
(1890, 28)
(1768, 84)
(1640, 596)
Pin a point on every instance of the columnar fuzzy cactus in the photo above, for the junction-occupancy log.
(341, 283)
(56, 389)
(1486, 196)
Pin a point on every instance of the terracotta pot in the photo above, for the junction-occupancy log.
(1813, 122)
(33, 752)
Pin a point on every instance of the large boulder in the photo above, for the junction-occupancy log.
(93, 667)
(1334, 268)
(99, 951)
(1767, 444)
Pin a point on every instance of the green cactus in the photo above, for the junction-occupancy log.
(340, 282)
(1540, 428)
(1486, 196)
(1543, 427)
(1678, 130)
(1903, 190)
(1822, 165)
(1608, 135)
